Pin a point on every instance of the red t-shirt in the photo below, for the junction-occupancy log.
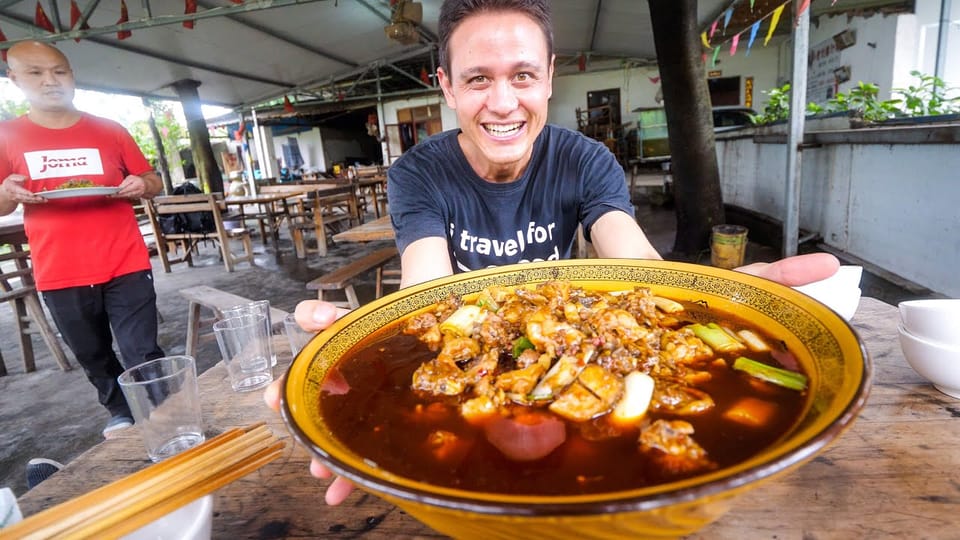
(84, 240)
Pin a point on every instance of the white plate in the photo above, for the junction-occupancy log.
(79, 192)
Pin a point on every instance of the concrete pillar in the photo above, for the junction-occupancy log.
(207, 169)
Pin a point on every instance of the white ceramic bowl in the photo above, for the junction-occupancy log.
(938, 363)
(839, 292)
(189, 522)
(933, 319)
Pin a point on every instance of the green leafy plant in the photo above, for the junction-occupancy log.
(928, 97)
(862, 100)
(778, 106)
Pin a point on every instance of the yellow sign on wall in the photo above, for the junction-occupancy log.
(748, 92)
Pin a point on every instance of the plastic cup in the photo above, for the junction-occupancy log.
(259, 307)
(296, 336)
(728, 245)
(245, 347)
(165, 401)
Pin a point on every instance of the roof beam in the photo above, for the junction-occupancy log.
(596, 23)
(285, 38)
(39, 34)
(156, 55)
(407, 75)
(54, 14)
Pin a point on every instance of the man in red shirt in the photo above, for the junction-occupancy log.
(89, 259)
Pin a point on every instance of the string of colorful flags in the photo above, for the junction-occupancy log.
(707, 36)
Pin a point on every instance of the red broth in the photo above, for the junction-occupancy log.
(377, 415)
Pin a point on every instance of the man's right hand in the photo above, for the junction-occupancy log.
(13, 192)
(313, 316)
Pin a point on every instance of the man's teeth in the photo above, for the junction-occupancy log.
(503, 129)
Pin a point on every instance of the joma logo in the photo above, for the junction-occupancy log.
(61, 163)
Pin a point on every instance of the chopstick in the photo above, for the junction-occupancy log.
(137, 499)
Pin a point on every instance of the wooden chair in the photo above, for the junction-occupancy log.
(16, 287)
(169, 243)
(321, 212)
(343, 278)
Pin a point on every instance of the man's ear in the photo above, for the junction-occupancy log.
(447, 86)
(553, 59)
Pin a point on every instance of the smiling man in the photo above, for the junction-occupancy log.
(506, 187)
(89, 259)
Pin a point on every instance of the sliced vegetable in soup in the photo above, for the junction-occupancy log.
(554, 389)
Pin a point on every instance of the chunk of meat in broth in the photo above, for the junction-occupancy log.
(669, 445)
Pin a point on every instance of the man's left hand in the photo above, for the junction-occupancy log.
(132, 187)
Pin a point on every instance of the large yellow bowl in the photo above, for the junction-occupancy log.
(828, 348)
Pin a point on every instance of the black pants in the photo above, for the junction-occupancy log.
(85, 315)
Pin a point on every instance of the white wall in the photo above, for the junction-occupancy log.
(892, 205)
(311, 149)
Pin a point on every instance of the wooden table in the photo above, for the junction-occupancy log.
(892, 475)
(378, 229)
(11, 229)
(268, 215)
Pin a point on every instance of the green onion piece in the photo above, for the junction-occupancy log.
(667, 305)
(521, 344)
(487, 302)
(755, 342)
(462, 321)
(775, 375)
(717, 338)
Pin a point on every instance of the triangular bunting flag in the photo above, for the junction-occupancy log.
(3, 52)
(124, 17)
(75, 15)
(189, 8)
(237, 1)
(703, 39)
(713, 28)
(753, 35)
(726, 19)
(751, 5)
(713, 61)
(803, 7)
(654, 80)
(287, 106)
(40, 18)
(773, 24)
(733, 44)
(424, 76)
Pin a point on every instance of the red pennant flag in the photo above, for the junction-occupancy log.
(4, 51)
(237, 1)
(75, 15)
(582, 62)
(287, 106)
(189, 8)
(241, 131)
(654, 80)
(40, 18)
(424, 76)
(803, 7)
(124, 17)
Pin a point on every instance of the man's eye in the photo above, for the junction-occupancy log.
(479, 79)
(524, 77)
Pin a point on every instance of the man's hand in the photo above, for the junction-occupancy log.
(133, 188)
(12, 193)
(313, 316)
(797, 270)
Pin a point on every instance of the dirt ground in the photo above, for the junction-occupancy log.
(54, 414)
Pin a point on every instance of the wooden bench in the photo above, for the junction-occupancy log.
(342, 278)
(216, 301)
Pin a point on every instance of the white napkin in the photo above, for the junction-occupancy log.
(840, 292)
(9, 510)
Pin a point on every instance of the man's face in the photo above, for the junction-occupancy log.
(45, 78)
(499, 83)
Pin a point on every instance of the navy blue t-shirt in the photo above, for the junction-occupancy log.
(571, 179)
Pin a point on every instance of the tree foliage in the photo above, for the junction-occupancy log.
(172, 133)
(11, 109)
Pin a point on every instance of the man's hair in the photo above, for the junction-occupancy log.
(453, 12)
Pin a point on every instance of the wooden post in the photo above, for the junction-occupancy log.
(207, 169)
(698, 199)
